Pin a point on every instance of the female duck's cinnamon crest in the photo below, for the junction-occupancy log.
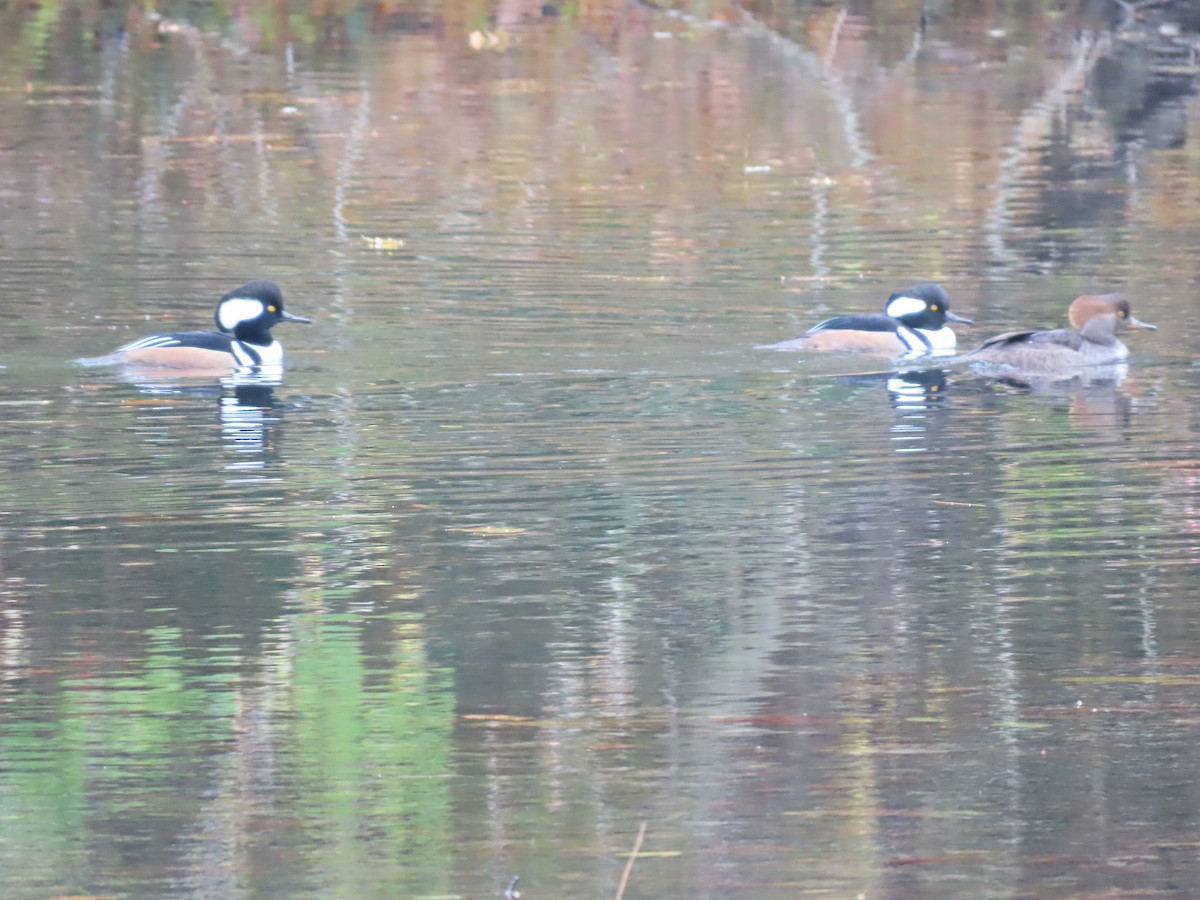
(913, 323)
(244, 316)
(1096, 318)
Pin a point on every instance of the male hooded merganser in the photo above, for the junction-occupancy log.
(913, 323)
(245, 316)
(1097, 318)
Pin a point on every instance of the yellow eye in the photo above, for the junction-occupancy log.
(1122, 313)
(934, 307)
(270, 309)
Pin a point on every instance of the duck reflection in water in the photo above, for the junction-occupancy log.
(1097, 397)
(246, 420)
(917, 394)
(246, 405)
(1085, 364)
(907, 389)
(919, 389)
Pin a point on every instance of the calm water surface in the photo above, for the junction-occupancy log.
(531, 546)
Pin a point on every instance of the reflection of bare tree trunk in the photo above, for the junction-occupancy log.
(1029, 136)
(156, 149)
(818, 71)
(347, 166)
(831, 50)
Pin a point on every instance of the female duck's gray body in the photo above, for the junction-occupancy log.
(1092, 340)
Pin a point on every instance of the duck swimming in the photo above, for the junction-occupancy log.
(913, 323)
(244, 316)
(1096, 319)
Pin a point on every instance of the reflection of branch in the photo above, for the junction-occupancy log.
(918, 40)
(839, 94)
(821, 184)
(1129, 11)
(352, 151)
(833, 40)
(1029, 136)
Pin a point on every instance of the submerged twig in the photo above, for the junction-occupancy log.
(637, 845)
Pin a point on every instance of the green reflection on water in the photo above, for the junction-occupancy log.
(149, 753)
(693, 510)
(371, 753)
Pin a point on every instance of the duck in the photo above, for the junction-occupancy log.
(1092, 340)
(243, 343)
(913, 323)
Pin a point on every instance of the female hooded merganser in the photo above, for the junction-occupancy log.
(1097, 318)
(245, 316)
(913, 323)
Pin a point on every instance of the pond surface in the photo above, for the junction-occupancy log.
(531, 546)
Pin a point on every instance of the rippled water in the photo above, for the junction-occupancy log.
(531, 545)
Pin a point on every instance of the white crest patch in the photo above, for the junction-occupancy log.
(905, 306)
(239, 309)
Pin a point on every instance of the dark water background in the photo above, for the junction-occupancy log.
(531, 546)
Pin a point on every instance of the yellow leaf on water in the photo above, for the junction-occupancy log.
(382, 243)
(488, 40)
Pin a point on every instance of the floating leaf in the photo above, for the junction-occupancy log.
(382, 243)
(488, 40)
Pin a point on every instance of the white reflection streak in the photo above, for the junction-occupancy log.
(905, 432)
(910, 399)
(1149, 621)
(1029, 137)
(267, 199)
(243, 428)
(351, 153)
(996, 639)
(820, 224)
(14, 645)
